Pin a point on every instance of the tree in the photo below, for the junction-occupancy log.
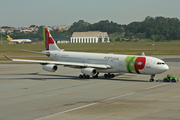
(32, 26)
(118, 39)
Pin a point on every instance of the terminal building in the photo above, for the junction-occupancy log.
(62, 40)
(89, 37)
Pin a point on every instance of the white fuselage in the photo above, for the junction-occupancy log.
(21, 40)
(118, 63)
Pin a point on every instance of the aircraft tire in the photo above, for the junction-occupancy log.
(151, 80)
(80, 76)
(84, 76)
(105, 75)
(87, 76)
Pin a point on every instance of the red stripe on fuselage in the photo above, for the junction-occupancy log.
(139, 64)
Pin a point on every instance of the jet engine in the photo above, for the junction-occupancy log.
(89, 71)
(50, 67)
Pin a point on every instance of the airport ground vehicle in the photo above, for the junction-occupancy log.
(170, 78)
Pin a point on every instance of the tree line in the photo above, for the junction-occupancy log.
(156, 29)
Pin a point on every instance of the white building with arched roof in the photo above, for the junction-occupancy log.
(89, 37)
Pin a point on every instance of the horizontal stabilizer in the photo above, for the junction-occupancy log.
(45, 53)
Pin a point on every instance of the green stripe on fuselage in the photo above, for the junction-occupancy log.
(130, 63)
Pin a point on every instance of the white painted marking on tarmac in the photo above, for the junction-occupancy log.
(98, 102)
(155, 86)
(117, 97)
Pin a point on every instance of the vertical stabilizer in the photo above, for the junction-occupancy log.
(8, 37)
(50, 44)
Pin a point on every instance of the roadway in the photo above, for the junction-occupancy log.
(27, 92)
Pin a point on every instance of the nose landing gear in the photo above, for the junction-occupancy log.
(152, 78)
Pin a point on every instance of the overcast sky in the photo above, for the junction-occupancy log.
(17, 13)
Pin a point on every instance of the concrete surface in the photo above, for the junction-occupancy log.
(27, 92)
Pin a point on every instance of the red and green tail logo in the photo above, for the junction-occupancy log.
(47, 38)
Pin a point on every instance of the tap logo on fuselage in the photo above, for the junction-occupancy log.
(134, 64)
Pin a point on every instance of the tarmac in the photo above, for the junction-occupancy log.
(29, 93)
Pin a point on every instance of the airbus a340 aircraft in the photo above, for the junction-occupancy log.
(91, 64)
(18, 40)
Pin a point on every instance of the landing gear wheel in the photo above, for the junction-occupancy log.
(84, 76)
(152, 78)
(112, 75)
(109, 75)
(87, 76)
(80, 76)
(96, 76)
(105, 75)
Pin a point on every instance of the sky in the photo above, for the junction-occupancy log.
(17, 13)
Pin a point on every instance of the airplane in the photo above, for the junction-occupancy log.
(19, 41)
(91, 64)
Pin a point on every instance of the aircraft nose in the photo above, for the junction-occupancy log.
(166, 67)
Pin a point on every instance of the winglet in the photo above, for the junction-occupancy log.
(7, 57)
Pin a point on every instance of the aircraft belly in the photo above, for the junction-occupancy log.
(107, 70)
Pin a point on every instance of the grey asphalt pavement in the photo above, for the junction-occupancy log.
(27, 92)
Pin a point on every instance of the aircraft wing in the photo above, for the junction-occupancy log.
(62, 63)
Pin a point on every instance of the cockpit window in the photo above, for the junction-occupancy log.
(159, 63)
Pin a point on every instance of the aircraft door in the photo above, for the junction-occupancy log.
(148, 65)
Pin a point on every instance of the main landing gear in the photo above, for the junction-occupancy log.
(152, 78)
(109, 75)
(84, 76)
(96, 76)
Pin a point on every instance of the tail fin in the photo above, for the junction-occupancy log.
(8, 37)
(50, 44)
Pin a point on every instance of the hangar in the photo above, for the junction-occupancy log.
(89, 37)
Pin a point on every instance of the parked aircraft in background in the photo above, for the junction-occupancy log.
(18, 40)
(91, 64)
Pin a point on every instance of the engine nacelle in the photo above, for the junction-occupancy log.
(50, 67)
(89, 71)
